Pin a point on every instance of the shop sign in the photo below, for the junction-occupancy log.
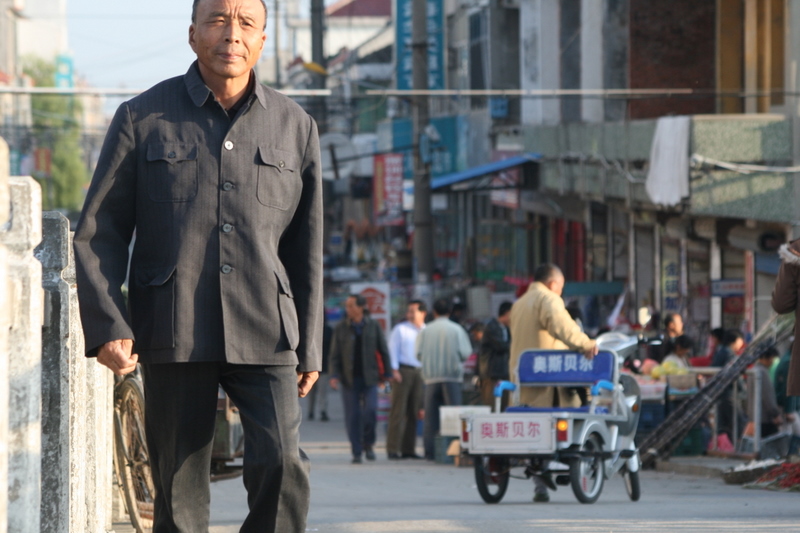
(671, 290)
(378, 296)
(387, 190)
(727, 288)
(404, 61)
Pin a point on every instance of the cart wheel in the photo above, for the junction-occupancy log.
(491, 475)
(632, 485)
(586, 474)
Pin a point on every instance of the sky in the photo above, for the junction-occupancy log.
(136, 44)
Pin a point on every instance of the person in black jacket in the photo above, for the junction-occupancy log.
(357, 346)
(493, 355)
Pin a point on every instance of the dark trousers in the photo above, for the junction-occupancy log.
(437, 395)
(180, 413)
(360, 414)
(401, 434)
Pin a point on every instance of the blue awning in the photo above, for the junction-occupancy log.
(483, 170)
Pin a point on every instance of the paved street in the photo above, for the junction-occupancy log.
(416, 496)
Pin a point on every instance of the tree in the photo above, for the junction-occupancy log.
(55, 122)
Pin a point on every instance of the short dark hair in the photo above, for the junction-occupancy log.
(669, 318)
(684, 341)
(718, 333)
(730, 336)
(546, 272)
(420, 305)
(504, 308)
(442, 306)
(196, 2)
(769, 353)
(360, 300)
(477, 327)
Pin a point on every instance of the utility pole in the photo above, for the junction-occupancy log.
(318, 57)
(423, 236)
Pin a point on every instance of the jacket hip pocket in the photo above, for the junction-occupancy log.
(289, 323)
(152, 299)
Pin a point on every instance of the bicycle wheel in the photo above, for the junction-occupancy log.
(587, 473)
(132, 458)
(491, 477)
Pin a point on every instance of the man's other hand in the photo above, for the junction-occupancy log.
(306, 380)
(591, 352)
(117, 356)
(396, 376)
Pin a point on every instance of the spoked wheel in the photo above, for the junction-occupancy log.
(587, 474)
(131, 457)
(491, 475)
(632, 485)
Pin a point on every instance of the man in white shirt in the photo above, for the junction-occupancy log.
(401, 436)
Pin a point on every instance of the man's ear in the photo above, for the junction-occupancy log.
(191, 36)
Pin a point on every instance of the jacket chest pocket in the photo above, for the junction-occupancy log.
(278, 178)
(171, 172)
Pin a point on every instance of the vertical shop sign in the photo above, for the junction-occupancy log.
(403, 59)
(387, 191)
(671, 279)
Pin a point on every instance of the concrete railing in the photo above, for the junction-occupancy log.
(55, 405)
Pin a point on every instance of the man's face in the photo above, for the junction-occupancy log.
(227, 37)
(676, 326)
(556, 284)
(353, 311)
(737, 345)
(414, 315)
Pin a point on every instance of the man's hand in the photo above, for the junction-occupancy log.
(117, 356)
(396, 376)
(334, 383)
(306, 380)
(591, 352)
(421, 414)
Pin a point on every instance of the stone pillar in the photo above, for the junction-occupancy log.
(5, 326)
(25, 355)
(76, 401)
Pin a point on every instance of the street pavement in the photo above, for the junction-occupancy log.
(418, 496)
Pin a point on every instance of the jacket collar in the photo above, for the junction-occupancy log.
(790, 252)
(200, 93)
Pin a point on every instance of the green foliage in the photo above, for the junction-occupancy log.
(55, 122)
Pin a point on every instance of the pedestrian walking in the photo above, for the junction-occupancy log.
(359, 362)
(442, 348)
(785, 300)
(225, 284)
(401, 435)
(494, 353)
(540, 320)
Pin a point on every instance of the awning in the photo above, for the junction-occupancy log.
(483, 170)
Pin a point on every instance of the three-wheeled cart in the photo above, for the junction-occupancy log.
(576, 446)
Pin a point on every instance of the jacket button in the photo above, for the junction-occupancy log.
(281, 164)
(172, 155)
(227, 186)
(227, 228)
(226, 269)
(228, 145)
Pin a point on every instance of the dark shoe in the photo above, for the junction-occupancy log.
(394, 456)
(541, 497)
(310, 416)
(356, 460)
(370, 455)
(324, 416)
(411, 456)
(430, 458)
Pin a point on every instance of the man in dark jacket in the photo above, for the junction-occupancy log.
(493, 355)
(356, 347)
(220, 178)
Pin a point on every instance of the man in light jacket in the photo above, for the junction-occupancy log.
(442, 348)
(540, 320)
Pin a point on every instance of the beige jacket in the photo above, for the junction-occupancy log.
(539, 320)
